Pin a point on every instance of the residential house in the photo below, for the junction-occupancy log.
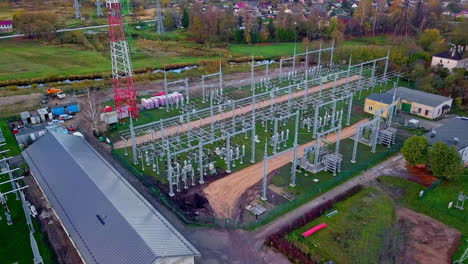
(454, 58)
(6, 26)
(454, 133)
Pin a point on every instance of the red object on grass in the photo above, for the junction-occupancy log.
(314, 229)
(160, 93)
(107, 109)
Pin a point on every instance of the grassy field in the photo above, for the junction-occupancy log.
(267, 50)
(434, 203)
(10, 139)
(14, 239)
(355, 234)
(30, 59)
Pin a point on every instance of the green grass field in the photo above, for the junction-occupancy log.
(355, 234)
(435, 202)
(14, 239)
(30, 59)
(10, 139)
(267, 50)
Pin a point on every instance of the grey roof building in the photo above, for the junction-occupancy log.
(412, 101)
(454, 133)
(385, 98)
(107, 219)
(420, 97)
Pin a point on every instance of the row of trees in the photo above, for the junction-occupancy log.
(443, 160)
(36, 24)
(220, 25)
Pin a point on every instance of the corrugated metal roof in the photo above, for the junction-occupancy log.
(108, 220)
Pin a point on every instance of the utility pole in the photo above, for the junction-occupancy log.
(159, 18)
(98, 8)
(77, 6)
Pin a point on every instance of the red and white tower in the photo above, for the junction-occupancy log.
(125, 94)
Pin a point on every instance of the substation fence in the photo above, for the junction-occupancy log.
(444, 209)
(430, 188)
(157, 193)
(325, 186)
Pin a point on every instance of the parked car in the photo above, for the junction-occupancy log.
(71, 128)
(54, 122)
(65, 117)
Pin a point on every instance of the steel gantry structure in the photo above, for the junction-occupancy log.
(193, 142)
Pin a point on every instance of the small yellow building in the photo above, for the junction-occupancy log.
(411, 101)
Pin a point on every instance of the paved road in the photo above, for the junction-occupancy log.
(67, 30)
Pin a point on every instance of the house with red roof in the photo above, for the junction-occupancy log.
(6, 26)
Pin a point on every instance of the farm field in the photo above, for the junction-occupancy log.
(355, 234)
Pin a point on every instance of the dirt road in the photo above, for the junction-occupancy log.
(224, 194)
(243, 110)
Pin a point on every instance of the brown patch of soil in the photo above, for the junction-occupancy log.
(427, 240)
(192, 201)
(420, 175)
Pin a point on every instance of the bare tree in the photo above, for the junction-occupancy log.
(92, 110)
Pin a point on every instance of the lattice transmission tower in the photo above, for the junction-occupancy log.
(159, 18)
(125, 94)
(98, 8)
(77, 6)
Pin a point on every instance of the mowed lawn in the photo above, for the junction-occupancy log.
(355, 234)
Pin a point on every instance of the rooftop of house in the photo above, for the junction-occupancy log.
(454, 133)
(455, 53)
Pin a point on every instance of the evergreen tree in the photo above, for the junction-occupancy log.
(185, 18)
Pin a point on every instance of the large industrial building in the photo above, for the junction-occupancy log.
(107, 220)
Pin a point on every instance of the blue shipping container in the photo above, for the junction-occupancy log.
(58, 111)
(74, 108)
